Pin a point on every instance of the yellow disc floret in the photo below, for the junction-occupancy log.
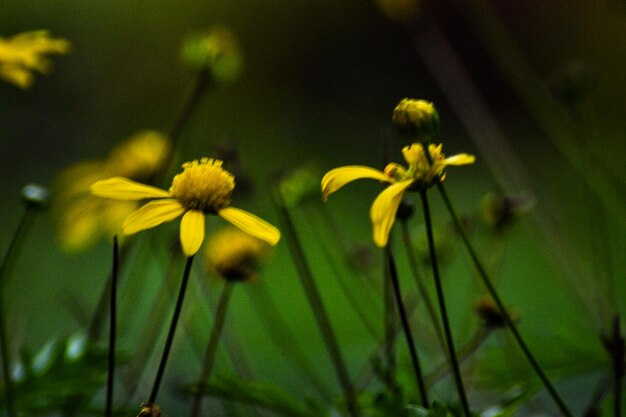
(203, 185)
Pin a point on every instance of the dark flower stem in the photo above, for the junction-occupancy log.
(393, 274)
(442, 306)
(209, 356)
(494, 295)
(5, 268)
(112, 329)
(315, 301)
(389, 326)
(172, 330)
(430, 308)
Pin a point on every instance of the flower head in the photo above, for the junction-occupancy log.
(235, 255)
(423, 171)
(203, 187)
(416, 119)
(25, 52)
(82, 218)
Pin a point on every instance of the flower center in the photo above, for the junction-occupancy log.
(203, 185)
(420, 168)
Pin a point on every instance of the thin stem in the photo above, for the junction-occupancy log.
(315, 302)
(389, 327)
(616, 350)
(211, 350)
(442, 305)
(172, 330)
(494, 295)
(393, 274)
(112, 329)
(5, 267)
(430, 308)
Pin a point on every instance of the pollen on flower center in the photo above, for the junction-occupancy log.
(203, 185)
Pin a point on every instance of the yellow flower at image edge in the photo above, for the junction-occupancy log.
(203, 187)
(421, 174)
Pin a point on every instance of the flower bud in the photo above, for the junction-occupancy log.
(216, 51)
(418, 120)
(35, 195)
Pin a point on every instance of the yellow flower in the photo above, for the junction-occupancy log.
(203, 187)
(416, 119)
(25, 52)
(235, 255)
(82, 218)
(420, 175)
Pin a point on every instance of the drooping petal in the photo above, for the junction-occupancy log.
(251, 224)
(338, 177)
(192, 232)
(119, 188)
(460, 159)
(383, 212)
(151, 215)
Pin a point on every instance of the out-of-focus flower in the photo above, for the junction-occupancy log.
(26, 52)
(217, 51)
(235, 255)
(421, 174)
(300, 185)
(82, 218)
(203, 187)
(500, 210)
(399, 10)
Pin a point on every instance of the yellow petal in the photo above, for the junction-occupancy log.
(151, 215)
(460, 159)
(413, 153)
(120, 188)
(383, 212)
(192, 232)
(338, 177)
(251, 224)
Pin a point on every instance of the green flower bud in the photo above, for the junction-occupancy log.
(216, 51)
(417, 120)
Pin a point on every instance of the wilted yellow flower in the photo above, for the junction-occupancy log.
(26, 52)
(82, 218)
(235, 255)
(216, 50)
(420, 175)
(203, 187)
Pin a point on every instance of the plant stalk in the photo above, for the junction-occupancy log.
(112, 329)
(442, 306)
(494, 295)
(172, 331)
(209, 357)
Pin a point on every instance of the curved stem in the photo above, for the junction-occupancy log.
(5, 267)
(172, 330)
(393, 273)
(209, 357)
(494, 295)
(442, 306)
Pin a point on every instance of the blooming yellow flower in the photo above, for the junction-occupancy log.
(203, 187)
(25, 52)
(235, 255)
(420, 175)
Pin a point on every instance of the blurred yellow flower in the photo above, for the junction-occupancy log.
(203, 187)
(82, 218)
(24, 53)
(420, 175)
(235, 255)
(399, 10)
